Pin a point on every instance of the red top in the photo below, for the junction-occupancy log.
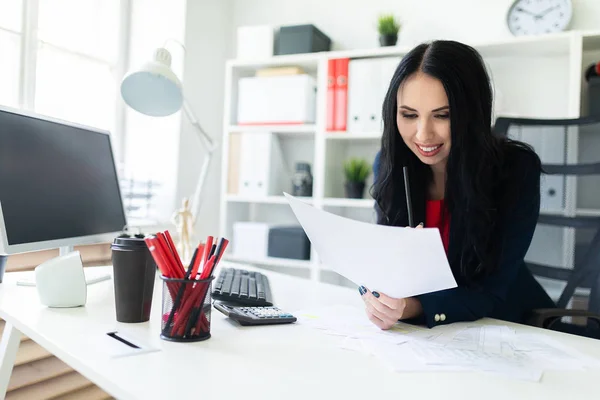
(436, 217)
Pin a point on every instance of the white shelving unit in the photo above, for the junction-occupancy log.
(539, 77)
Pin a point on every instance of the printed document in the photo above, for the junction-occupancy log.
(396, 261)
(466, 346)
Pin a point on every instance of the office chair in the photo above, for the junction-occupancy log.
(586, 269)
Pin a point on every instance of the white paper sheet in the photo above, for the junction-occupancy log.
(352, 322)
(489, 349)
(396, 261)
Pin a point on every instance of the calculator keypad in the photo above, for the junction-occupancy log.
(264, 312)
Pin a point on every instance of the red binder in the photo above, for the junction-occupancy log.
(341, 94)
(331, 95)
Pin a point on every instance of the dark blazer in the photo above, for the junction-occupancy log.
(511, 292)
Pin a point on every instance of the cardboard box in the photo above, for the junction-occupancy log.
(301, 39)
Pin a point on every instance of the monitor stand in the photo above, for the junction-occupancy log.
(64, 250)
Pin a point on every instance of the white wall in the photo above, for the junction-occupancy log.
(208, 42)
(210, 37)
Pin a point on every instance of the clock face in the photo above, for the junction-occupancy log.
(532, 17)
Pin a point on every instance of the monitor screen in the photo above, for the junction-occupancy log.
(57, 180)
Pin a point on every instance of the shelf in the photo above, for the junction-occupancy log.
(270, 261)
(234, 198)
(343, 135)
(291, 130)
(588, 212)
(530, 46)
(305, 60)
(342, 202)
(580, 212)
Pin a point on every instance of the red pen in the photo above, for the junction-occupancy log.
(169, 240)
(176, 270)
(159, 258)
(207, 247)
(198, 260)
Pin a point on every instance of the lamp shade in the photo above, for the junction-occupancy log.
(154, 89)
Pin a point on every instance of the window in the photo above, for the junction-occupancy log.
(10, 48)
(9, 71)
(11, 15)
(76, 52)
(74, 74)
(75, 88)
(92, 28)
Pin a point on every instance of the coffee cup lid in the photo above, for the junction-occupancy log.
(129, 242)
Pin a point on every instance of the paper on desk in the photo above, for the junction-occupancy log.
(396, 261)
(351, 322)
(492, 349)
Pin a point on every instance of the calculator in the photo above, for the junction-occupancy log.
(255, 315)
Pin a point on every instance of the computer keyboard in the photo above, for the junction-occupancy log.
(242, 287)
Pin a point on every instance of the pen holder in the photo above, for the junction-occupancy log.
(186, 307)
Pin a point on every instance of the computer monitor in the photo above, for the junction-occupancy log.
(58, 184)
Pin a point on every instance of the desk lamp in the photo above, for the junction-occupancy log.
(155, 90)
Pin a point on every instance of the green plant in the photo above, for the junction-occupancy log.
(356, 170)
(388, 25)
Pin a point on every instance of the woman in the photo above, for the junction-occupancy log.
(481, 191)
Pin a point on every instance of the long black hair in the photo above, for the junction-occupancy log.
(475, 165)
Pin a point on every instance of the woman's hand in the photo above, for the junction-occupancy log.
(382, 310)
(385, 311)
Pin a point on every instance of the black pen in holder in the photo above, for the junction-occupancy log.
(408, 198)
(186, 309)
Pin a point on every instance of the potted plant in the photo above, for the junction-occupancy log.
(388, 28)
(356, 171)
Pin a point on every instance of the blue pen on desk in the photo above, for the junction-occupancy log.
(408, 201)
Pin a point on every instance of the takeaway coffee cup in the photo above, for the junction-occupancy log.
(134, 272)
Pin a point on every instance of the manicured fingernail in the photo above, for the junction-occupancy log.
(376, 294)
(362, 290)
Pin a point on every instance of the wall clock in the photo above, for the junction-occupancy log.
(534, 17)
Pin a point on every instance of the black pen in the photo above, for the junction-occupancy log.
(408, 202)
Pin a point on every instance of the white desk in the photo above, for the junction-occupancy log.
(269, 362)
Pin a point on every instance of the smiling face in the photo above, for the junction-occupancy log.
(423, 119)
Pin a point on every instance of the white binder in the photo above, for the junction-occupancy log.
(262, 171)
(368, 81)
(361, 83)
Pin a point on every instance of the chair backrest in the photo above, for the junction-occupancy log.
(570, 197)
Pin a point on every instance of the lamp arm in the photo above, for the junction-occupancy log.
(208, 141)
(195, 205)
(210, 148)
